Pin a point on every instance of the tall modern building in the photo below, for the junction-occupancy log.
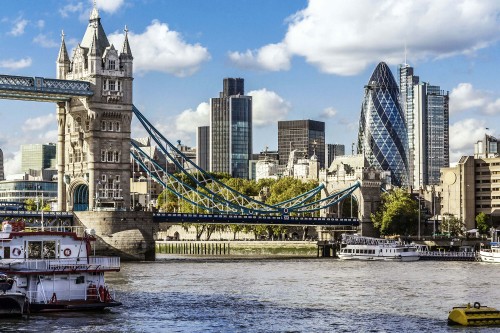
(231, 130)
(38, 156)
(431, 134)
(303, 136)
(2, 172)
(203, 147)
(382, 136)
(426, 110)
(332, 152)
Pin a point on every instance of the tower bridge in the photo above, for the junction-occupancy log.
(93, 93)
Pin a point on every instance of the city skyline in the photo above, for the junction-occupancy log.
(291, 70)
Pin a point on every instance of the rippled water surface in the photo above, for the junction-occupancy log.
(299, 295)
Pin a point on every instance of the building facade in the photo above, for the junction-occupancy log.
(430, 134)
(2, 171)
(303, 136)
(93, 147)
(203, 147)
(382, 136)
(332, 152)
(38, 156)
(231, 130)
(18, 191)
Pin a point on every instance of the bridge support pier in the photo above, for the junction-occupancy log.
(129, 235)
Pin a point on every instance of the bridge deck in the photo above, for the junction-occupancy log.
(42, 89)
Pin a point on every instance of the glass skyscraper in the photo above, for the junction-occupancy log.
(231, 130)
(383, 137)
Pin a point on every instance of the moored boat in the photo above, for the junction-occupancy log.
(355, 247)
(491, 254)
(476, 315)
(51, 269)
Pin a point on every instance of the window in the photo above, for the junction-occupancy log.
(110, 126)
(87, 125)
(111, 64)
(103, 156)
(117, 126)
(110, 156)
(103, 125)
(111, 85)
(119, 85)
(117, 156)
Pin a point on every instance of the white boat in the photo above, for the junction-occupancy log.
(492, 254)
(355, 247)
(52, 270)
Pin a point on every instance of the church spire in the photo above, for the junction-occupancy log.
(126, 46)
(63, 53)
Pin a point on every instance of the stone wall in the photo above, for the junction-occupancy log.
(128, 235)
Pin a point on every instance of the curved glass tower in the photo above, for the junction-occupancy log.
(383, 137)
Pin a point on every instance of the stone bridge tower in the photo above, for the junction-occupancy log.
(93, 147)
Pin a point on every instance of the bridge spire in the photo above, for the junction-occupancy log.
(63, 61)
(126, 46)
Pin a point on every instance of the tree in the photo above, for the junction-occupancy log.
(482, 223)
(397, 214)
(452, 225)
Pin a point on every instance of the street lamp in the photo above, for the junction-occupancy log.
(96, 201)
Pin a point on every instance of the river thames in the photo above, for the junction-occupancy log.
(282, 295)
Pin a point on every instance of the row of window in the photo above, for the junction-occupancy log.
(76, 157)
(488, 206)
(110, 126)
(110, 156)
(112, 85)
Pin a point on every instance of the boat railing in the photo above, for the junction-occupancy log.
(72, 264)
(450, 254)
(78, 230)
(362, 240)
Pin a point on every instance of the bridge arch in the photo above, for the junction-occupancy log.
(79, 196)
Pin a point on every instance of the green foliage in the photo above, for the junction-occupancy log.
(31, 205)
(452, 226)
(397, 214)
(482, 223)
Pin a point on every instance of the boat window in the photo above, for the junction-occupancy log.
(34, 250)
(49, 249)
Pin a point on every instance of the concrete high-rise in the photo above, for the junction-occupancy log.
(382, 136)
(203, 147)
(231, 130)
(303, 136)
(2, 171)
(431, 134)
(426, 110)
(38, 157)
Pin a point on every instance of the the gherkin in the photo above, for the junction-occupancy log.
(383, 137)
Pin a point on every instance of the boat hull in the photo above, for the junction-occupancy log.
(12, 304)
(378, 258)
(71, 306)
(474, 316)
(490, 257)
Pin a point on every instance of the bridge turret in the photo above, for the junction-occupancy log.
(94, 57)
(63, 62)
(126, 57)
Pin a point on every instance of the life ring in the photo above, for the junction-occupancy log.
(16, 252)
(477, 305)
(285, 210)
(67, 252)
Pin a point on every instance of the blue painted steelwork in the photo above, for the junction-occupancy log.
(211, 195)
(42, 89)
(253, 219)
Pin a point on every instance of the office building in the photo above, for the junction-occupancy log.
(431, 134)
(306, 137)
(203, 147)
(2, 172)
(231, 130)
(332, 152)
(382, 136)
(38, 156)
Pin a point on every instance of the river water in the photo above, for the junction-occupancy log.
(282, 295)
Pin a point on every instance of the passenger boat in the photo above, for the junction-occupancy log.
(355, 247)
(51, 269)
(476, 315)
(492, 254)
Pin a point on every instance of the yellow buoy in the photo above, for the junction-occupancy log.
(476, 315)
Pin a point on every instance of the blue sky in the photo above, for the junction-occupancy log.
(300, 60)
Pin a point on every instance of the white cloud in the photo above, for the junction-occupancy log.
(15, 64)
(44, 41)
(463, 135)
(12, 163)
(40, 24)
(465, 97)
(38, 123)
(109, 6)
(71, 8)
(268, 107)
(344, 37)
(329, 112)
(272, 57)
(189, 120)
(18, 28)
(161, 49)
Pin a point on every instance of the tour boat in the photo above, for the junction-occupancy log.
(51, 269)
(355, 247)
(492, 254)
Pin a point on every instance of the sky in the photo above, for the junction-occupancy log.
(300, 60)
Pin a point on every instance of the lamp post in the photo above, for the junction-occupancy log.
(96, 203)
